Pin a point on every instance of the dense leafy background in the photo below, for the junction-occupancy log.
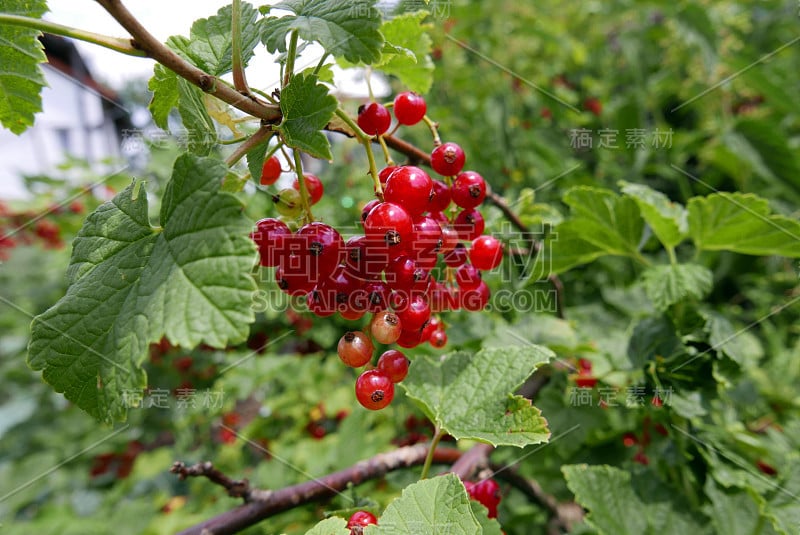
(688, 292)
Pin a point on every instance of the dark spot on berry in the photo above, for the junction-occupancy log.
(392, 237)
(377, 396)
(283, 284)
(349, 336)
(315, 248)
(474, 191)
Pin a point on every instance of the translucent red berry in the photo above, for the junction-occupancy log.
(269, 235)
(374, 119)
(355, 349)
(468, 277)
(313, 185)
(486, 252)
(374, 389)
(390, 224)
(359, 520)
(441, 197)
(385, 327)
(409, 108)
(270, 171)
(474, 299)
(394, 364)
(438, 338)
(469, 224)
(469, 189)
(409, 187)
(447, 159)
(487, 492)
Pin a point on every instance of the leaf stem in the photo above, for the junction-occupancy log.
(264, 94)
(301, 181)
(367, 142)
(290, 57)
(434, 130)
(320, 64)
(437, 436)
(672, 258)
(118, 44)
(261, 135)
(369, 83)
(239, 78)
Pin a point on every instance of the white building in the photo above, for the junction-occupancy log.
(80, 118)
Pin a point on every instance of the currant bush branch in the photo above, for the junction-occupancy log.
(236, 488)
(261, 504)
(144, 41)
(260, 136)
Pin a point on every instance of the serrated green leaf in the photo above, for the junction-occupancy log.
(470, 395)
(606, 220)
(489, 526)
(667, 219)
(616, 508)
(769, 153)
(435, 506)
(733, 512)
(410, 60)
(653, 338)
(210, 45)
(307, 107)
(742, 223)
(344, 29)
(330, 526)
(201, 133)
(564, 249)
(164, 86)
(255, 159)
(233, 183)
(21, 78)
(669, 284)
(741, 346)
(131, 284)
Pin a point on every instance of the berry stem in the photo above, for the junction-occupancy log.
(386, 155)
(261, 135)
(301, 181)
(368, 78)
(367, 142)
(426, 468)
(290, 57)
(239, 78)
(434, 130)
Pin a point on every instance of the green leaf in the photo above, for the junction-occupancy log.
(733, 512)
(769, 153)
(563, 250)
(344, 29)
(409, 58)
(781, 505)
(606, 492)
(164, 86)
(469, 395)
(201, 134)
(255, 159)
(330, 526)
(21, 78)
(131, 284)
(210, 45)
(619, 505)
(742, 223)
(433, 506)
(667, 219)
(653, 338)
(606, 220)
(738, 344)
(489, 526)
(669, 284)
(307, 107)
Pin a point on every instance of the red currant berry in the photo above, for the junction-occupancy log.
(313, 186)
(351, 314)
(376, 295)
(447, 159)
(390, 224)
(468, 277)
(469, 224)
(394, 364)
(359, 520)
(288, 203)
(385, 173)
(269, 235)
(585, 365)
(415, 313)
(585, 381)
(320, 302)
(374, 389)
(355, 349)
(364, 258)
(443, 298)
(486, 492)
(404, 275)
(469, 189)
(474, 299)
(368, 208)
(486, 252)
(441, 197)
(456, 257)
(385, 327)
(409, 108)
(270, 171)
(427, 237)
(410, 338)
(409, 187)
(374, 119)
(449, 238)
(295, 282)
(324, 244)
(438, 339)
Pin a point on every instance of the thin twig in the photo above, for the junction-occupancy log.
(260, 136)
(239, 488)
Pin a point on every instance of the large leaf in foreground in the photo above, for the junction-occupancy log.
(131, 284)
(436, 505)
(470, 395)
(21, 78)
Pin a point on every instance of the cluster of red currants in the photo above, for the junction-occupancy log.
(486, 492)
(388, 270)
